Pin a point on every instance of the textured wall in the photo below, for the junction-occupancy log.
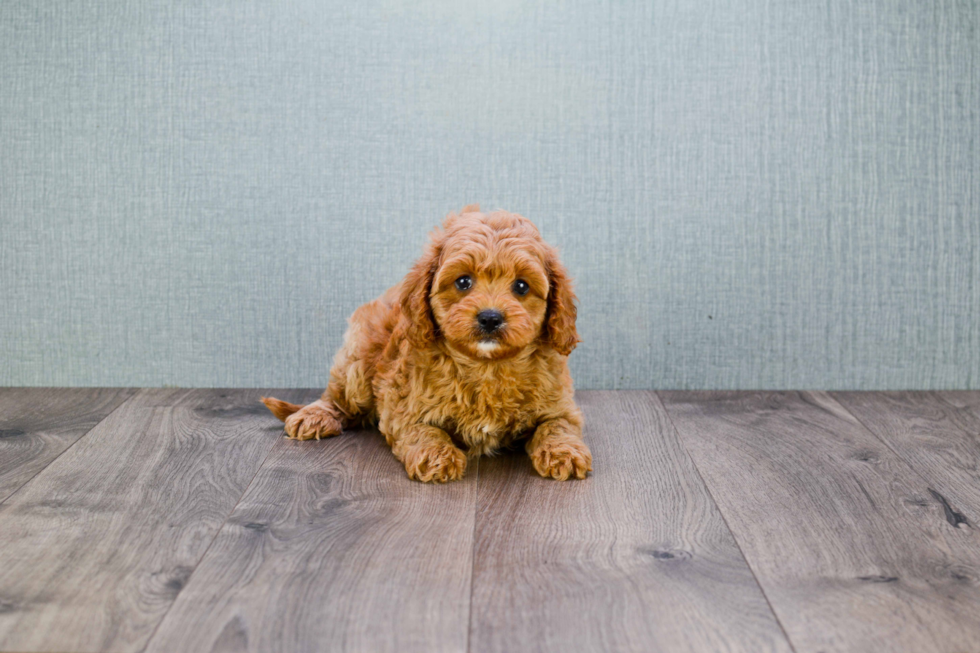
(750, 193)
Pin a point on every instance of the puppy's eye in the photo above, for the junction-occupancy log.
(521, 287)
(464, 283)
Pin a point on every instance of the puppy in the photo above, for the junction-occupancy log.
(466, 355)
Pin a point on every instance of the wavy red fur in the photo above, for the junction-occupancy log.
(416, 362)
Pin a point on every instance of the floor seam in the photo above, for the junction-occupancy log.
(476, 507)
(930, 486)
(724, 520)
(874, 435)
(77, 440)
(217, 532)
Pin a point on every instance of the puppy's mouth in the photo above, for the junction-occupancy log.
(487, 346)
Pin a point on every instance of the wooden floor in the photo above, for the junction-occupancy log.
(173, 520)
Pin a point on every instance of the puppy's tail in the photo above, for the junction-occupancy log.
(279, 408)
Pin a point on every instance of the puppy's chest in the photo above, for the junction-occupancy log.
(488, 416)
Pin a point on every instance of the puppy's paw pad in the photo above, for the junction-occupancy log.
(562, 460)
(311, 422)
(436, 463)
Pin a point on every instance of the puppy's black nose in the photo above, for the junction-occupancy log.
(489, 320)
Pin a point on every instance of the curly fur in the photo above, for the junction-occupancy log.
(415, 362)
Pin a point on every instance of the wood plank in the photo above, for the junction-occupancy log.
(851, 549)
(333, 548)
(936, 433)
(96, 547)
(634, 558)
(38, 424)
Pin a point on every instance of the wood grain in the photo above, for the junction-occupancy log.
(333, 548)
(96, 547)
(38, 424)
(634, 558)
(850, 547)
(936, 433)
(860, 524)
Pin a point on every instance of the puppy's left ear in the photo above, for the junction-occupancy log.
(560, 323)
(414, 297)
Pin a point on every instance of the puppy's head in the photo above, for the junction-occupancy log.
(491, 287)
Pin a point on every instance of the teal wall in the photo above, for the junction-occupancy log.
(750, 193)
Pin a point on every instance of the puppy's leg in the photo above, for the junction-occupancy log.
(348, 395)
(428, 454)
(321, 419)
(557, 450)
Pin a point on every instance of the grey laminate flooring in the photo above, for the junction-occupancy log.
(182, 520)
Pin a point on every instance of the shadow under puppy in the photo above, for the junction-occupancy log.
(469, 350)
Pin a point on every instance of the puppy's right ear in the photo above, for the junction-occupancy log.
(414, 297)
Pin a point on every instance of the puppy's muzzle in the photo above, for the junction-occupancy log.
(489, 320)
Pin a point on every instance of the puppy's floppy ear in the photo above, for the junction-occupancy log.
(560, 323)
(414, 298)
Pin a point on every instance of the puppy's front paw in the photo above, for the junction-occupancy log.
(435, 462)
(313, 421)
(562, 459)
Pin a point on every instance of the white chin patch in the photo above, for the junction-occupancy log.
(487, 347)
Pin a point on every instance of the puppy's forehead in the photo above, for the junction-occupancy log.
(493, 242)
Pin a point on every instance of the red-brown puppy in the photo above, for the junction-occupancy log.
(469, 350)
